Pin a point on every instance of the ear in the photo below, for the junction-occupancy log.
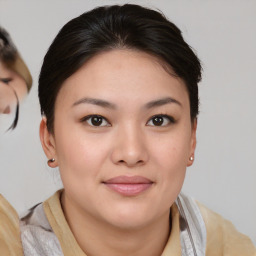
(48, 143)
(192, 143)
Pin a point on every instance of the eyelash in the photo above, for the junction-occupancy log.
(88, 119)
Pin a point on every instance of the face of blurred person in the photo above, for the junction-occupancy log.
(10, 83)
(122, 139)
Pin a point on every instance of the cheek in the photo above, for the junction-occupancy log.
(173, 163)
(170, 158)
(7, 96)
(80, 157)
(172, 151)
(171, 178)
(19, 85)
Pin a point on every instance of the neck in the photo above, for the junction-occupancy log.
(95, 237)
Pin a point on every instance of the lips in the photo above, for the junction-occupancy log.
(128, 185)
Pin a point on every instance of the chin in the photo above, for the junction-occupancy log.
(129, 216)
(129, 223)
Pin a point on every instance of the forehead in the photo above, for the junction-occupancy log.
(123, 74)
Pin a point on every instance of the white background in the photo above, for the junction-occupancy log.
(223, 33)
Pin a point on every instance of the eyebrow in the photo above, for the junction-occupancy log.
(106, 104)
(161, 102)
(98, 102)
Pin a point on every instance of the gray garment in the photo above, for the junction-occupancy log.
(192, 227)
(38, 238)
(37, 235)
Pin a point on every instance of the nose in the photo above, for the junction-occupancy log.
(130, 147)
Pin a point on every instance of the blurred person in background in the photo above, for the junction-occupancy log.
(15, 78)
(15, 83)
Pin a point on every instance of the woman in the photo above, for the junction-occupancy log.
(119, 98)
(15, 78)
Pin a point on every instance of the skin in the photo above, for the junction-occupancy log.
(10, 81)
(128, 144)
(7, 99)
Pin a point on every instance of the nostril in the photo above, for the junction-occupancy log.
(131, 163)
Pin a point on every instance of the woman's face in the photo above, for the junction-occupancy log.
(10, 82)
(122, 138)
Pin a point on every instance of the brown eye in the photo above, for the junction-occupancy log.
(161, 120)
(96, 120)
(158, 120)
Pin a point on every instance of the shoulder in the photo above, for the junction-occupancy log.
(223, 238)
(10, 243)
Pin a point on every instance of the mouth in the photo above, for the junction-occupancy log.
(129, 185)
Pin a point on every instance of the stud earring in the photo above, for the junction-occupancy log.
(50, 161)
(191, 158)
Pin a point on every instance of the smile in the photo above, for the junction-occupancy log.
(129, 186)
